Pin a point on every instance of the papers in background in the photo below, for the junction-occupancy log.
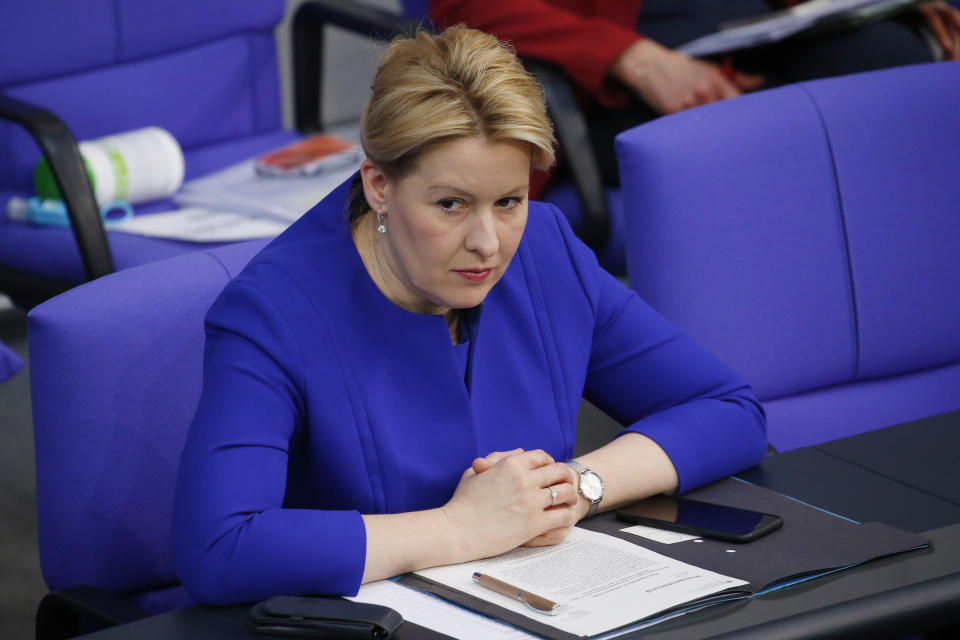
(237, 204)
(780, 24)
(199, 224)
(439, 615)
(602, 582)
(241, 189)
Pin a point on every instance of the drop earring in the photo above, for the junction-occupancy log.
(381, 223)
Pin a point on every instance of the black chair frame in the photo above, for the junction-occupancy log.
(60, 149)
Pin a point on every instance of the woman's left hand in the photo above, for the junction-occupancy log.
(547, 538)
(944, 23)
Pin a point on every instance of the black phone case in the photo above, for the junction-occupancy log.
(293, 616)
(770, 524)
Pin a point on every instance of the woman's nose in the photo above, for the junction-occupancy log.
(482, 235)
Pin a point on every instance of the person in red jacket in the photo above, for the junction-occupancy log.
(624, 62)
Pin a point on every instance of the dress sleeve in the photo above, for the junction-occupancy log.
(583, 46)
(234, 541)
(650, 376)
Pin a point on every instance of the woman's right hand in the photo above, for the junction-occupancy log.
(504, 500)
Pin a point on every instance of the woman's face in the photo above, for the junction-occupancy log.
(453, 223)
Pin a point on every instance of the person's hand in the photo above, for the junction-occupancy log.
(670, 81)
(944, 23)
(552, 536)
(504, 500)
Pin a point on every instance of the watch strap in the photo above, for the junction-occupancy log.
(581, 470)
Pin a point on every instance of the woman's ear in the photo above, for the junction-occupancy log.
(376, 185)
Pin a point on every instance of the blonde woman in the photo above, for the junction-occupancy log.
(393, 383)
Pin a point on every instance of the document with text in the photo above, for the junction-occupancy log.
(601, 582)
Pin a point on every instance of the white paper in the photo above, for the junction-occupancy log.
(439, 615)
(239, 188)
(780, 24)
(659, 535)
(199, 224)
(602, 582)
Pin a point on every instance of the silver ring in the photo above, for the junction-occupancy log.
(553, 496)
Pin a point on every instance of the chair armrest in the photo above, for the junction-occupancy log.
(60, 149)
(69, 612)
(574, 138)
(307, 40)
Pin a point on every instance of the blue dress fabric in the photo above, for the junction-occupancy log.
(322, 400)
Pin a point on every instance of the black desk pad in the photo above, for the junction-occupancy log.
(834, 484)
(921, 454)
(809, 541)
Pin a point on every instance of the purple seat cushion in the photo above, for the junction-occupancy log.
(820, 415)
(808, 236)
(115, 377)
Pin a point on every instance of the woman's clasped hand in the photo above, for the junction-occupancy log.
(504, 500)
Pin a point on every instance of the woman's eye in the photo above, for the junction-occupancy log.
(509, 203)
(450, 205)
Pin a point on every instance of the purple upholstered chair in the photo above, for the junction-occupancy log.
(205, 70)
(810, 237)
(115, 370)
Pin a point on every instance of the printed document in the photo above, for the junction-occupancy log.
(601, 582)
(432, 612)
(777, 25)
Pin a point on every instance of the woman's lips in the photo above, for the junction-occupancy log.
(474, 275)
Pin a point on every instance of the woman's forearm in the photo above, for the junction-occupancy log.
(632, 467)
(402, 542)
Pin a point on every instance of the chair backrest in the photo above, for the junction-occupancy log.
(115, 369)
(810, 237)
(203, 69)
(415, 8)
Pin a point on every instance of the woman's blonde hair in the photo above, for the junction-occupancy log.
(430, 89)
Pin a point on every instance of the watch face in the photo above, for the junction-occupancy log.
(590, 486)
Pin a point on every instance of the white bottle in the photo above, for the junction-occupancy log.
(135, 166)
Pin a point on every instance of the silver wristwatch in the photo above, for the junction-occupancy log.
(590, 485)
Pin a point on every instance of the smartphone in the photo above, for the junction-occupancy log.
(704, 519)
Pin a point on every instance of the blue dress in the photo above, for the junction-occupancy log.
(322, 400)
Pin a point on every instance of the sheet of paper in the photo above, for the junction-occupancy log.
(602, 582)
(658, 535)
(239, 188)
(780, 24)
(439, 615)
(199, 224)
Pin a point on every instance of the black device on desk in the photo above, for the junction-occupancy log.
(698, 518)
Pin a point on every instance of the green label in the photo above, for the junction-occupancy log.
(120, 170)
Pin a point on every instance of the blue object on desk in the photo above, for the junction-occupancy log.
(53, 213)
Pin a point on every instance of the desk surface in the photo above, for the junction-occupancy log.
(888, 476)
(904, 453)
